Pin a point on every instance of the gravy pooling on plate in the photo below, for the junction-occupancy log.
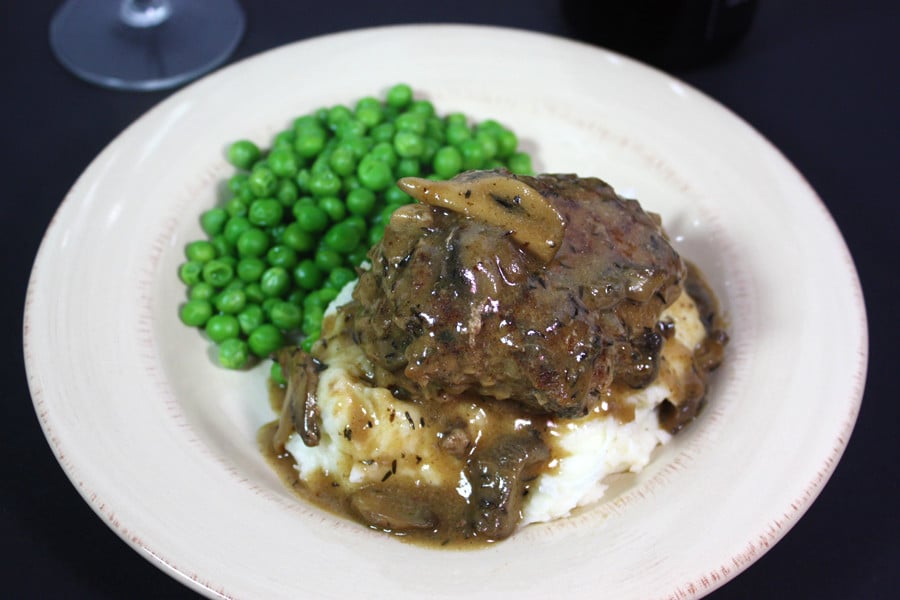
(516, 340)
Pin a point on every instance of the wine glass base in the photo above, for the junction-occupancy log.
(90, 39)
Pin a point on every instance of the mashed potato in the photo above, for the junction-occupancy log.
(368, 435)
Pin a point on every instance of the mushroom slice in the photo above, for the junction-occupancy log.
(300, 411)
(498, 198)
(392, 510)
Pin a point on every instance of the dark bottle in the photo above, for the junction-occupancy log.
(670, 34)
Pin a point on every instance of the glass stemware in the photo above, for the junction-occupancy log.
(144, 44)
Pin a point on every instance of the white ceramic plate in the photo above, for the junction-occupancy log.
(161, 442)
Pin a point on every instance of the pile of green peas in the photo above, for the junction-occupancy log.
(300, 217)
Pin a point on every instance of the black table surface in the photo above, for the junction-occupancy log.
(820, 79)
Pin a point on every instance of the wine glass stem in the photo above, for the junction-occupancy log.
(144, 13)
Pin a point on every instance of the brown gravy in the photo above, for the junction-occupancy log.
(451, 509)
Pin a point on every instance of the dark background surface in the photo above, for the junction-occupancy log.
(820, 79)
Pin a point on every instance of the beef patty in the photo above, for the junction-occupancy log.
(454, 305)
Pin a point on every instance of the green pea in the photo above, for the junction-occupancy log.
(253, 242)
(283, 140)
(375, 234)
(506, 143)
(456, 119)
(287, 192)
(340, 277)
(200, 251)
(408, 144)
(254, 292)
(268, 303)
(229, 260)
(357, 222)
(384, 151)
(374, 174)
(489, 144)
(234, 353)
(237, 183)
(243, 153)
(327, 295)
(448, 161)
(351, 128)
(315, 301)
(324, 183)
(218, 273)
(265, 212)
(250, 269)
(409, 167)
(312, 322)
(359, 146)
(342, 238)
(286, 315)
(310, 142)
(222, 327)
(489, 126)
(296, 297)
(337, 114)
(274, 281)
(422, 107)
(310, 340)
(310, 217)
(282, 255)
(333, 207)
(472, 154)
(307, 275)
(231, 301)
(350, 183)
(429, 149)
(369, 115)
(306, 123)
(190, 272)
(295, 237)
(275, 232)
(411, 123)
(368, 102)
(201, 291)
(520, 163)
(383, 132)
(283, 162)
(276, 375)
(434, 129)
(263, 182)
(195, 313)
(236, 207)
(321, 164)
(265, 339)
(327, 259)
(235, 227)
(223, 246)
(244, 193)
(213, 221)
(356, 257)
(458, 133)
(399, 95)
(251, 317)
(302, 180)
(395, 195)
(343, 160)
(360, 201)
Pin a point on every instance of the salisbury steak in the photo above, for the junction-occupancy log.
(455, 305)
